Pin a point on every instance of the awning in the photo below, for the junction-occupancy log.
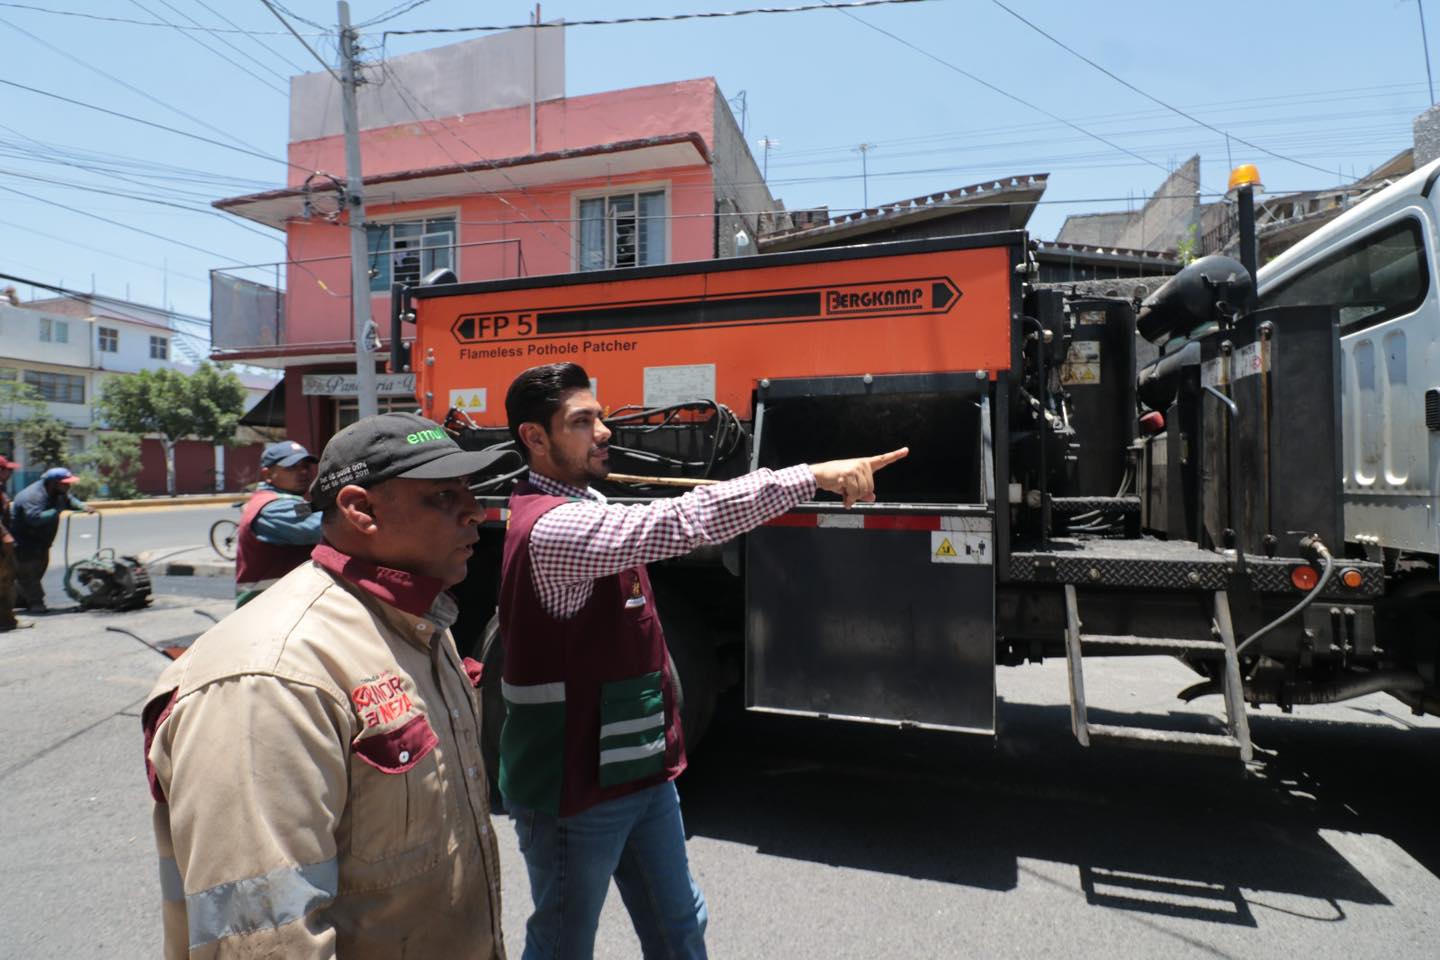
(270, 411)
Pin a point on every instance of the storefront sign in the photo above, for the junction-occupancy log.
(347, 385)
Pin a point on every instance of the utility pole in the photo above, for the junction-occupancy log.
(1425, 42)
(767, 143)
(355, 200)
(865, 149)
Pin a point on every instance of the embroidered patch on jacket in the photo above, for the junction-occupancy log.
(382, 698)
(637, 599)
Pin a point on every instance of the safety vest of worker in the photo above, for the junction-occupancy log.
(259, 564)
(590, 700)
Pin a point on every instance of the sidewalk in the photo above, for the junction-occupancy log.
(186, 562)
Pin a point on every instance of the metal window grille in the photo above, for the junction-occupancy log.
(57, 387)
(621, 230)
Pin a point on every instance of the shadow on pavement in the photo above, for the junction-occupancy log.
(1164, 834)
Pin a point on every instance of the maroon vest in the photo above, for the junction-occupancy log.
(257, 561)
(605, 654)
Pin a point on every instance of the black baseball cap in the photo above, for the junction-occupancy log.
(392, 445)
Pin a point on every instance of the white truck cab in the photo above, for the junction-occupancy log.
(1377, 263)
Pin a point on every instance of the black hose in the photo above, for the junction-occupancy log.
(1317, 547)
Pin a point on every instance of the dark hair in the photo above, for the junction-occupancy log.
(536, 395)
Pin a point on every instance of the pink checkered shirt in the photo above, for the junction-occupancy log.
(579, 542)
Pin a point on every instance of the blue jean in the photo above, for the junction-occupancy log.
(639, 840)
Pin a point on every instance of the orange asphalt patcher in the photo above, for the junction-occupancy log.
(716, 328)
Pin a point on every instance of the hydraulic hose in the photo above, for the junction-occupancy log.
(1318, 551)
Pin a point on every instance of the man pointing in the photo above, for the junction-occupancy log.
(592, 740)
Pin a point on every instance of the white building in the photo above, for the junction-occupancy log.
(67, 347)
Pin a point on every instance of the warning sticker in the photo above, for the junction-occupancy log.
(470, 400)
(957, 546)
(1082, 363)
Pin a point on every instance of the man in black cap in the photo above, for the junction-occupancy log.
(315, 757)
(277, 528)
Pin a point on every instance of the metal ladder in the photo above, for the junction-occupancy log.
(1235, 742)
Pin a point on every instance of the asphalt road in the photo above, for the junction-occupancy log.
(830, 840)
(130, 532)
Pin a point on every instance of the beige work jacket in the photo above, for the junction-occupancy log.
(319, 786)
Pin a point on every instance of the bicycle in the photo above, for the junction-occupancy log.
(223, 535)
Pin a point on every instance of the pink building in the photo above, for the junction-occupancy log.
(498, 176)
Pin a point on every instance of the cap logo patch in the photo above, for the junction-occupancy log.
(425, 436)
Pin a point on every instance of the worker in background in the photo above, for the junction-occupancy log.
(35, 519)
(277, 527)
(7, 552)
(592, 740)
(315, 757)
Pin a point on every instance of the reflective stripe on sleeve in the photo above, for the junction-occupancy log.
(260, 903)
(534, 692)
(622, 754)
(172, 888)
(632, 726)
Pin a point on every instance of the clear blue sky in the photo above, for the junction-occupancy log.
(1333, 84)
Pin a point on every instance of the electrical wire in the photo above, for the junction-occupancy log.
(151, 123)
(233, 221)
(660, 18)
(33, 8)
(405, 95)
(255, 39)
(104, 253)
(221, 38)
(117, 223)
(997, 89)
(201, 43)
(399, 10)
(1130, 86)
(128, 86)
(296, 34)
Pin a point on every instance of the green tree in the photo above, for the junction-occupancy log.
(113, 461)
(206, 405)
(47, 441)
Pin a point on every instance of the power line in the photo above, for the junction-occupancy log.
(138, 23)
(1130, 86)
(401, 90)
(144, 199)
(201, 43)
(114, 79)
(271, 7)
(104, 253)
(226, 40)
(996, 89)
(659, 18)
(117, 223)
(399, 10)
(255, 39)
(150, 123)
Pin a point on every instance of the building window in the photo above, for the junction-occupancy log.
(54, 331)
(348, 411)
(1373, 279)
(159, 348)
(621, 230)
(57, 387)
(109, 339)
(404, 251)
(7, 373)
